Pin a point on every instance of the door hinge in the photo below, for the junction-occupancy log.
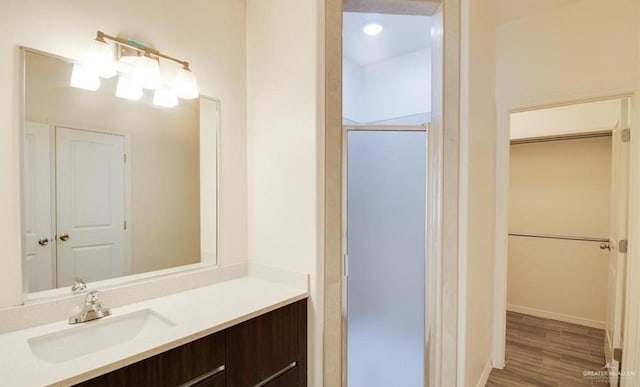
(346, 265)
(617, 354)
(125, 224)
(623, 246)
(626, 135)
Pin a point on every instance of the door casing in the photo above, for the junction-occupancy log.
(501, 205)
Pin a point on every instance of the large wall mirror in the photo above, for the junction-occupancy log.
(112, 187)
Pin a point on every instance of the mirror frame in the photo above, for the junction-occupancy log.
(28, 298)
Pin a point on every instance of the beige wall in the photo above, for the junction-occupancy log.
(284, 143)
(575, 50)
(211, 35)
(164, 157)
(560, 188)
(477, 173)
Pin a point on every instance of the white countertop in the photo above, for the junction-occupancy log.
(196, 313)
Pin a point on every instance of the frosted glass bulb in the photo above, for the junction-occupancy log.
(99, 59)
(128, 89)
(185, 85)
(82, 78)
(147, 73)
(165, 98)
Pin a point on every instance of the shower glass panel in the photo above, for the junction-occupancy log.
(386, 188)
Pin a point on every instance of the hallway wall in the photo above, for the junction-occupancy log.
(285, 148)
(477, 171)
(568, 52)
(560, 188)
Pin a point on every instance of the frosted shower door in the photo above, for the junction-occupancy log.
(386, 187)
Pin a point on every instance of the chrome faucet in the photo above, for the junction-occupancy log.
(92, 309)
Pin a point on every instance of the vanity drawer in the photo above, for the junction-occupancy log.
(288, 379)
(173, 368)
(267, 347)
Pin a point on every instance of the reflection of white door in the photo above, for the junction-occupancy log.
(90, 195)
(616, 269)
(37, 207)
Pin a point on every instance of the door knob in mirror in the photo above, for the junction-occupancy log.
(43, 241)
(64, 237)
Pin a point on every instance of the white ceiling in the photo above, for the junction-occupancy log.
(402, 34)
(571, 119)
(507, 10)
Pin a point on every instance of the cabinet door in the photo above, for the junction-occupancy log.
(172, 368)
(262, 347)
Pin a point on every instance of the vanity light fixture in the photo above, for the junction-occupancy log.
(135, 72)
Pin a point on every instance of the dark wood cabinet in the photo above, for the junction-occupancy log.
(267, 351)
(172, 368)
(264, 346)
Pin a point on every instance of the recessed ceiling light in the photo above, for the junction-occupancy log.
(372, 29)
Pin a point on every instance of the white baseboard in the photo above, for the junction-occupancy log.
(484, 377)
(556, 316)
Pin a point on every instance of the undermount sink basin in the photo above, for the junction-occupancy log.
(96, 335)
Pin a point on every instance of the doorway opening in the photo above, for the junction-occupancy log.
(561, 312)
(386, 109)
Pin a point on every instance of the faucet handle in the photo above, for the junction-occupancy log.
(78, 285)
(92, 297)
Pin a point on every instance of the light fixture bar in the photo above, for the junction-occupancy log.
(140, 47)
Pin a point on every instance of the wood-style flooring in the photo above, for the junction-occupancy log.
(543, 352)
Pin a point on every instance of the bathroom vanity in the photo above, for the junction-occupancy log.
(247, 331)
(268, 350)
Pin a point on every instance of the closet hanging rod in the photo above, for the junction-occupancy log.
(572, 136)
(562, 237)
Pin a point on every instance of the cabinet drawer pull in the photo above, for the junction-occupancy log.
(277, 374)
(203, 377)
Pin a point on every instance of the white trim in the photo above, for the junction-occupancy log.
(484, 377)
(389, 128)
(631, 334)
(133, 279)
(463, 194)
(556, 316)
(504, 110)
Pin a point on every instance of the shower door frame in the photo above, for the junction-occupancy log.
(444, 365)
(346, 128)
